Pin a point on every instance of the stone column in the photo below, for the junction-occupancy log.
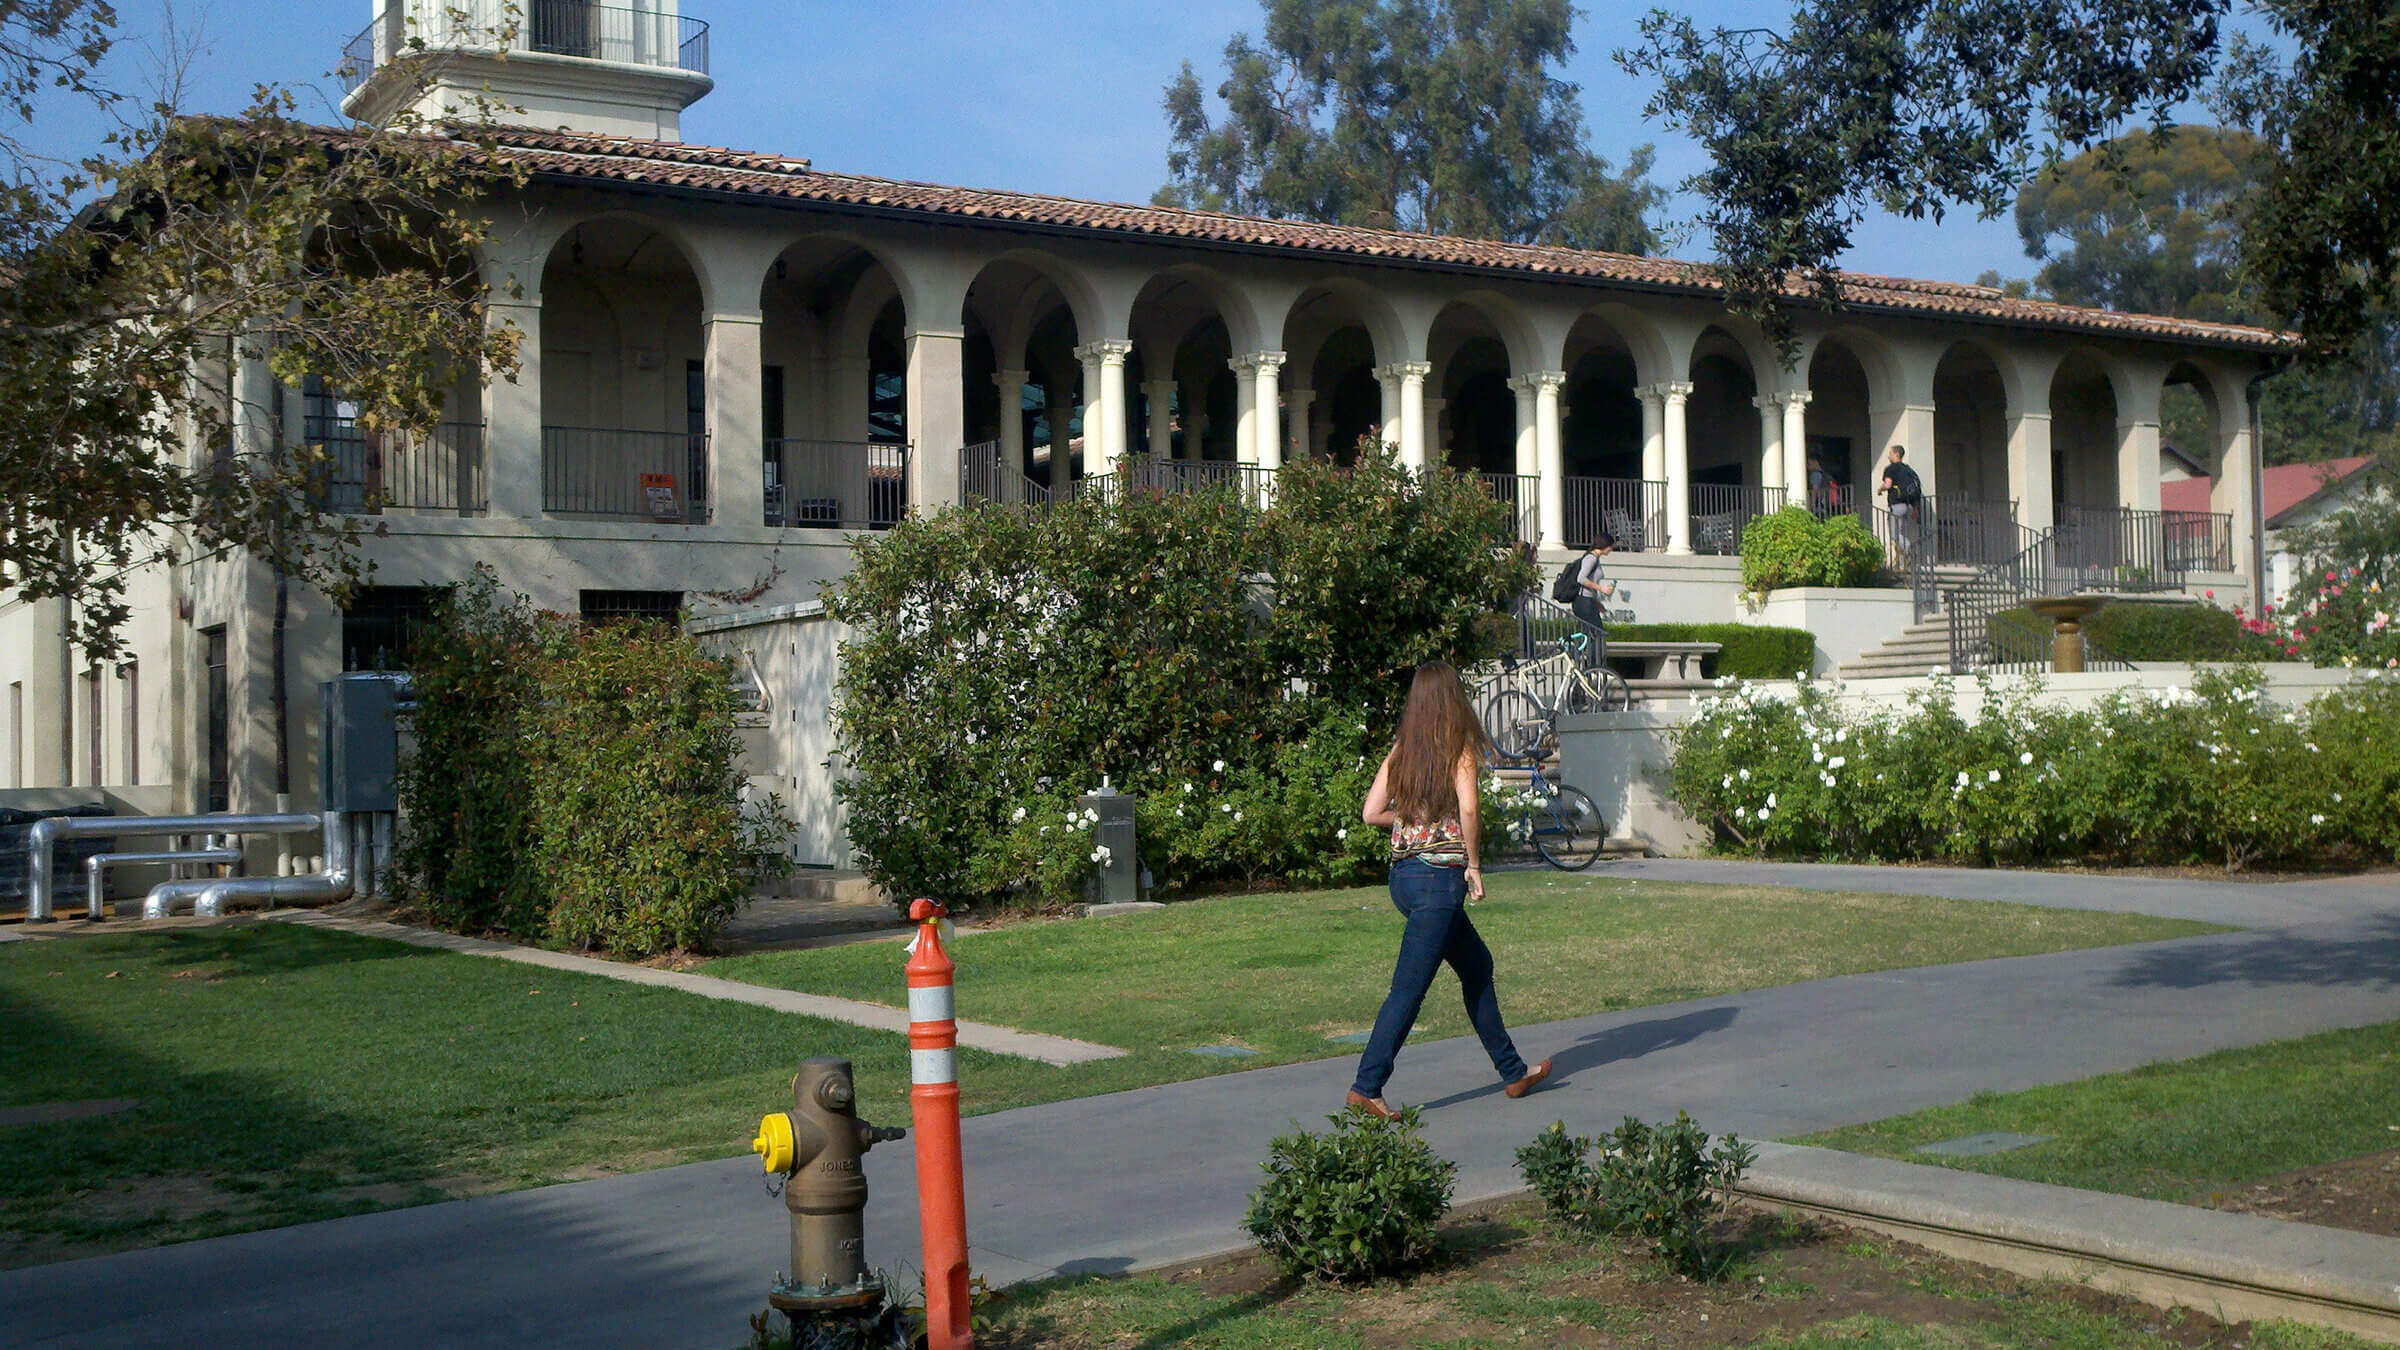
(1437, 433)
(1770, 441)
(49, 728)
(1550, 458)
(1388, 377)
(2029, 468)
(1011, 384)
(1267, 404)
(1300, 432)
(1158, 417)
(1529, 435)
(1059, 407)
(2137, 466)
(2235, 489)
(937, 416)
(1109, 358)
(1672, 395)
(1245, 408)
(1095, 434)
(737, 484)
(1406, 379)
(1654, 433)
(1795, 443)
(512, 414)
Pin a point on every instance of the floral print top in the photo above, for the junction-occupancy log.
(1442, 843)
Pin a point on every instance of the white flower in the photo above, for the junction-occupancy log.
(1762, 813)
(1341, 834)
(1741, 813)
(1091, 815)
(1745, 775)
(1220, 766)
(2316, 820)
(1962, 777)
(1729, 780)
(1178, 810)
(1995, 775)
(1837, 761)
(2026, 758)
(2337, 797)
(1770, 799)
(1225, 806)
(2312, 748)
(1841, 735)
(1020, 814)
(1187, 787)
(1237, 815)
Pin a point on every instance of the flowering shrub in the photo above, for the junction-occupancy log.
(2216, 772)
(1794, 547)
(1238, 671)
(2341, 607)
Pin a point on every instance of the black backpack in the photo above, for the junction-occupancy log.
(1563, 590)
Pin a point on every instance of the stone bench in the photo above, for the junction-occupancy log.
(1676, 661)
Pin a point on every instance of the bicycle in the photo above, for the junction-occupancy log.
(1560, 822)
(1520, 722)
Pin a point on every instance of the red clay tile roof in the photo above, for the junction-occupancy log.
(676, 166)
(2281, 486)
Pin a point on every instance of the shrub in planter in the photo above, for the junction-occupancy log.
(1663, 1183)
(1793, 547)
(2138, 631)
(1747, 651)
(1359, 1201)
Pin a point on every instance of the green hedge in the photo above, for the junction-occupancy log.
(2140, 631)
(1749, 651)
(1794, 547)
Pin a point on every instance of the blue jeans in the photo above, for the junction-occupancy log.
(1434, 901)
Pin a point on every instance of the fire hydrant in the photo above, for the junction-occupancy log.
(816, 1147)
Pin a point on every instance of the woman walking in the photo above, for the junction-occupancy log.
(1425, 794)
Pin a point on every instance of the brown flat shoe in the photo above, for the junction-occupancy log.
(1373, 1106)
(1529, 1082)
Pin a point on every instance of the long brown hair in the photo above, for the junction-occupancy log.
(1436, 728)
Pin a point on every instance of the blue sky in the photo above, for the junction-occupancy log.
(1058, 96)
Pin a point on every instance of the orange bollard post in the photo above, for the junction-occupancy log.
(933, 1099)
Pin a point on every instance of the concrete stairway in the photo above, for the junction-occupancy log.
(1921, 649)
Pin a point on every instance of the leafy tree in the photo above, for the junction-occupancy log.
(1923, 105)
(140, 278)
(1433, 115)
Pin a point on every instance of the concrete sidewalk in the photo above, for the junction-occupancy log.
(681, 1257)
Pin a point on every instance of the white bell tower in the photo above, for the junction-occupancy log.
(624, 68)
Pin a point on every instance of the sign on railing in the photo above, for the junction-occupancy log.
(611, 473)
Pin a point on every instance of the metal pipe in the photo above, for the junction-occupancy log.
(326, 887)
(50, 829)
(101, 862)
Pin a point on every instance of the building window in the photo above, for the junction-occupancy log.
(381, 624)
(620, 606)
(130, 725)
(215, 725)
(95, 737)
(695, 426)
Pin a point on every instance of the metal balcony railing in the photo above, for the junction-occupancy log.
(1522, 492)
(630, 37)
(985, 475)
(2141, 546)
(613, 474)
(1632, 510)
(835, 485)
(1721, 511)
(367, 472)
(1197, 475)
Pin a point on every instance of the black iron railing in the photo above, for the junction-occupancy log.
(2142, 545)
(367, 472)
(1522, 493)
(1250, 481)
(552, 27)
(1633, 511)
(1721, 511)
(612, 473)
(986, 475)
(1987, 634)
(835, 485)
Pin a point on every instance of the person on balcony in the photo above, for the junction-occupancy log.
(1427, 795)
(1593, 590)
(1904, 496)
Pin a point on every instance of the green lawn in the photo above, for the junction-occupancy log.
(1281, 973)
(2180, 1130)
(287, 1073)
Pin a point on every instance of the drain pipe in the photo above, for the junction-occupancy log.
(39, 888)
(324, 888)
(94, 866)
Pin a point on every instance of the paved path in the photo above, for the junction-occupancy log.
(681, 1257)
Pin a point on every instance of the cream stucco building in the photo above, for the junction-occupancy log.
(735, 360)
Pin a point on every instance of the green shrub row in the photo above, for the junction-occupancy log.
(1795, 547)
(2140, 631)
(1239, 671)
(1747, 651)
(1365, 1198)
(2215, 773)
(571, 783)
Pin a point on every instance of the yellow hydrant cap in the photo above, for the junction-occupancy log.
(774, 1142)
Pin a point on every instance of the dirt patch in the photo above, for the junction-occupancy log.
(2360, 1194)
(1511, 1278)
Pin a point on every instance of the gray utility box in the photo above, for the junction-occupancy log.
(1116, 879)
(361, 758)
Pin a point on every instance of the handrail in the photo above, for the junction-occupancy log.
(572, 28)
(1972, 605)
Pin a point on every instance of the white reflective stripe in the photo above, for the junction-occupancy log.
(933, 1066)
(932, 1003)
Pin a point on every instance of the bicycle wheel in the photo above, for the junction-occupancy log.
(1568, 831)
(1516, 724)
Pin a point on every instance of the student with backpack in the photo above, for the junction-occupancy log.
(1904, 497)
(1582, 586)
